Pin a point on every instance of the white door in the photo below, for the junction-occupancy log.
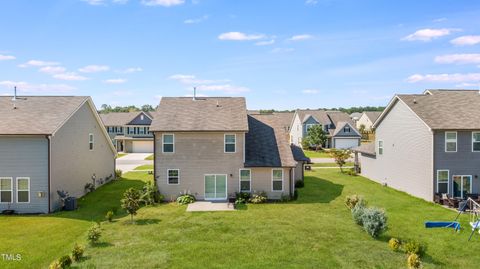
(346, 143)
(142, 147)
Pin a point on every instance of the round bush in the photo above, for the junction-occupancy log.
(413, 247)
(65, 261)
(394, 244)
(413, 261)
(374, 221)
(357, 213)
(77, 252)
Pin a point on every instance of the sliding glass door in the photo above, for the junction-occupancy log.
(462, 185)
(215, 187)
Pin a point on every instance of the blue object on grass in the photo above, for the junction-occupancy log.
(443, 224)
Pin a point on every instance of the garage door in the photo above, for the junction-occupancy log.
(346, 143)
(142, 146)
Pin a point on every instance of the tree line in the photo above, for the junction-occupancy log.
(108, 109)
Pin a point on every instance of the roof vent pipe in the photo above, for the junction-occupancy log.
(14, 93)
(194, 93)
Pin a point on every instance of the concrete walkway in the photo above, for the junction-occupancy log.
(132, 160)
(205, 206)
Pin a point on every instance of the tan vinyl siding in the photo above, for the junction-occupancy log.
(407, 160)
(262, 181)
(296, 130)
(73, 164)
(365, 121)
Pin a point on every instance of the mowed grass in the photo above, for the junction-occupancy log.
(149, 158)
(316, 231)
(330, 164)
(120, 155)
(144, 167)
(317, 154)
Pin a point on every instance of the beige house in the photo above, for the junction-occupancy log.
(367, 119)
(50, 143)
(211, 148)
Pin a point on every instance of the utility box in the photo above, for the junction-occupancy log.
(70, 204)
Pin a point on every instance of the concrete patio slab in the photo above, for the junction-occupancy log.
(204, 206)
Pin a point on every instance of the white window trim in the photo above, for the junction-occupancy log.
(168, 175)
(461, 185)
(451, 141)
(90, 135)
(473, 141)
(448, 179)
(225, 143)
(11, 190)
(226, 187)
(278, 180)
(173, 143)
(240, 179)
(382, 147)
(29, 192)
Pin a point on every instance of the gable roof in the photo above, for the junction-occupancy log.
(319, 115)
(337, 117)
(373, 115)
(35, 115)
(201, 114)
(341, 125)
(442, 109)
(121, 118)
(355, 115)
(266, 143)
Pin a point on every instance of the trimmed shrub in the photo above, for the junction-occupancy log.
(259, 198)
(118, 173)
(240, 200)
(55, 265)
(185, 199)
(77, 252)
(94, 234)
(357, 213)
(413, 261)
(394, 244)
(65, 261)
(413, 247)
(374, 221)
(109, 216)
(300, 184)
(352, 200)
(243, 195)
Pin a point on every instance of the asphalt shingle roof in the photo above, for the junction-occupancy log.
(202, 114)
(373, 115)
(36, 114)
(267, 143)
(446, 109)
(120, 118)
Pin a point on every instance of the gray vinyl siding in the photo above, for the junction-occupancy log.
(462, 162)
(310, 120)
(407, 161)
(352, 132)
(138, 120)
(26, 157)
(73, 163)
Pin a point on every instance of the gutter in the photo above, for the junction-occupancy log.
(154, 160)
(49, 139)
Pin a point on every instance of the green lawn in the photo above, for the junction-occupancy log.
(149, 158)
(317, 154)
(144, 167)
(120, 155)
(316, 231)
(330, 164)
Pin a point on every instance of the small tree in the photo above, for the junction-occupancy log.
(341, 156)
(362, 128)
(316, 136)
(131, 201)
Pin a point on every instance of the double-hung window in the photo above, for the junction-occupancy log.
(230, 142)
(442, 181)
(245, 180)
(90, 141)
(450, 141)
(168, 141)
(476, 141)
(23, 190)
(277, 179)
(380, 147)
(6, 190)
(173, 176)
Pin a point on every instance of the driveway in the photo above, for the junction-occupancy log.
(132, 160)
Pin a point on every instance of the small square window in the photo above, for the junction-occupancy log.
(173, 176)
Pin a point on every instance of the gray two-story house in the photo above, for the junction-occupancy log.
(339, 127)
(130, 131)
(211, 148)
(427, 143)
(50, 144)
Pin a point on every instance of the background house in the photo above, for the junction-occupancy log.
(130, 131)
(427, 143)
(367, 119)
(48, 144)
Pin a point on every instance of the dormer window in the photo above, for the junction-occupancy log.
(347, 129)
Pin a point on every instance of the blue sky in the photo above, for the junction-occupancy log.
(281, 54)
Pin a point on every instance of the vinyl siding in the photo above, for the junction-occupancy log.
(296, 131)
(138, 120)
(462, 162)
(365, 120)
(73, 164)
(310, 120)
(26, 157)
(407, 161)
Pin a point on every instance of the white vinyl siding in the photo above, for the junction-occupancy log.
(173, 176)
(476, 141)
(230, 143)
(168, 143)
(6, 190)
(450, 141)
(23, 190)
(245, 180)
(443, 181)
(277, 179)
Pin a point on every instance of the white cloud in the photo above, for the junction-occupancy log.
(115, 81)
(467, 40)
(239, 36)
(120, 2)
(38, 63)
(282, 50)
(457, 78)
(311, 2)
(6, 57)
(310, 91)
(300, 37)
(37, 88)
(191, 79)
(208, 85)
(197, 20)
(225, 88)
(265, 43)
(69, 76)
(473, 58)
(165, 3)
(52, 69)
(466, 85)
(94, 68)
(429, 34)
(130, 70)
